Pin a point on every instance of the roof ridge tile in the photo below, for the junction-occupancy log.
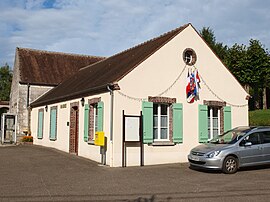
(58, 52)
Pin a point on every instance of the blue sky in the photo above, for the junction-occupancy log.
(105, 27)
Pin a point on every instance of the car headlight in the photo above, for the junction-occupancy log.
(213, 154)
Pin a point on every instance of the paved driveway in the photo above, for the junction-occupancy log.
(33, 173)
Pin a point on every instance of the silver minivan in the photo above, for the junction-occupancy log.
(239, 147)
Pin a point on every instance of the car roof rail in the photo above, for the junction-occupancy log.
(254, 128)
(263, 127)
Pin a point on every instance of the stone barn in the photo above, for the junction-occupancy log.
(34, 73)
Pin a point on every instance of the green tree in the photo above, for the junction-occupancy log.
(5, 82)
(236, 62)
(208, 35)
(250, 65)
(219, 49)
(257, 65)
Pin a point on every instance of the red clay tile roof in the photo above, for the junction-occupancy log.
(50, 68)
(95, 78)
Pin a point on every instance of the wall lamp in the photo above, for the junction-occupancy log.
(46, 108)
(82, 101)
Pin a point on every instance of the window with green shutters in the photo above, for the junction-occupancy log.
(40, 123)
(93, 118)
(214, 119)
(53, 123)
(162, 122)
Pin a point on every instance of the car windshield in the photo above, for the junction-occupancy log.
(230, 137)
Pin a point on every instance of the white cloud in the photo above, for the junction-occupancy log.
(105, 27)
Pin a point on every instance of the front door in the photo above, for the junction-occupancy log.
(8, 128)
(74, 129)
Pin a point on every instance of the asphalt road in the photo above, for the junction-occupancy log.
(33, 173)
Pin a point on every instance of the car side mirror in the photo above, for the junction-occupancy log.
(248, 144)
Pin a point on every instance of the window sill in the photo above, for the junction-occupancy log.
(162, 144)
(91, 142)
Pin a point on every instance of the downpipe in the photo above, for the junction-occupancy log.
(111, 123)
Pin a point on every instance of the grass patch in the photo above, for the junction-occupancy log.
(259, 118)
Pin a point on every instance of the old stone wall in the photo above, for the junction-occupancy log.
(18, 99)
(14, 93)
(22, 111)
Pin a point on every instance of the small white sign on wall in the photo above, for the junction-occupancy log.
(132, 129)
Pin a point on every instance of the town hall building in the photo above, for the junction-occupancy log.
(147, 105)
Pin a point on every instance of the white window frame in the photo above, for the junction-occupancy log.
(211, 127)
(159, 122)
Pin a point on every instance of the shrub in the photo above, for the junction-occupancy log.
(27, 138)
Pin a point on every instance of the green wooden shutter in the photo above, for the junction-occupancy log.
(86, 122)
(177, 123)
(227, 118)
(203, 123)
(100, 109)
(148, 123)
(53, 124)
(40, 124)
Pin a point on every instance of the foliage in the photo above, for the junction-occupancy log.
(27, 138)
(236, 60)
(5, 82)
(208, 34)
(257, 63)
(259, 118)
(249, 64)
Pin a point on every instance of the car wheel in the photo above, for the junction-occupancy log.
(230, 165)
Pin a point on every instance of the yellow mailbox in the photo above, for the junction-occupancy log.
(99, 138)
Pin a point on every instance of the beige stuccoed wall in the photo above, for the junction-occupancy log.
(62, 140)
(63, 116)
(157, 73)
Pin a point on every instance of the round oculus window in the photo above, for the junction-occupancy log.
(189, 56)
